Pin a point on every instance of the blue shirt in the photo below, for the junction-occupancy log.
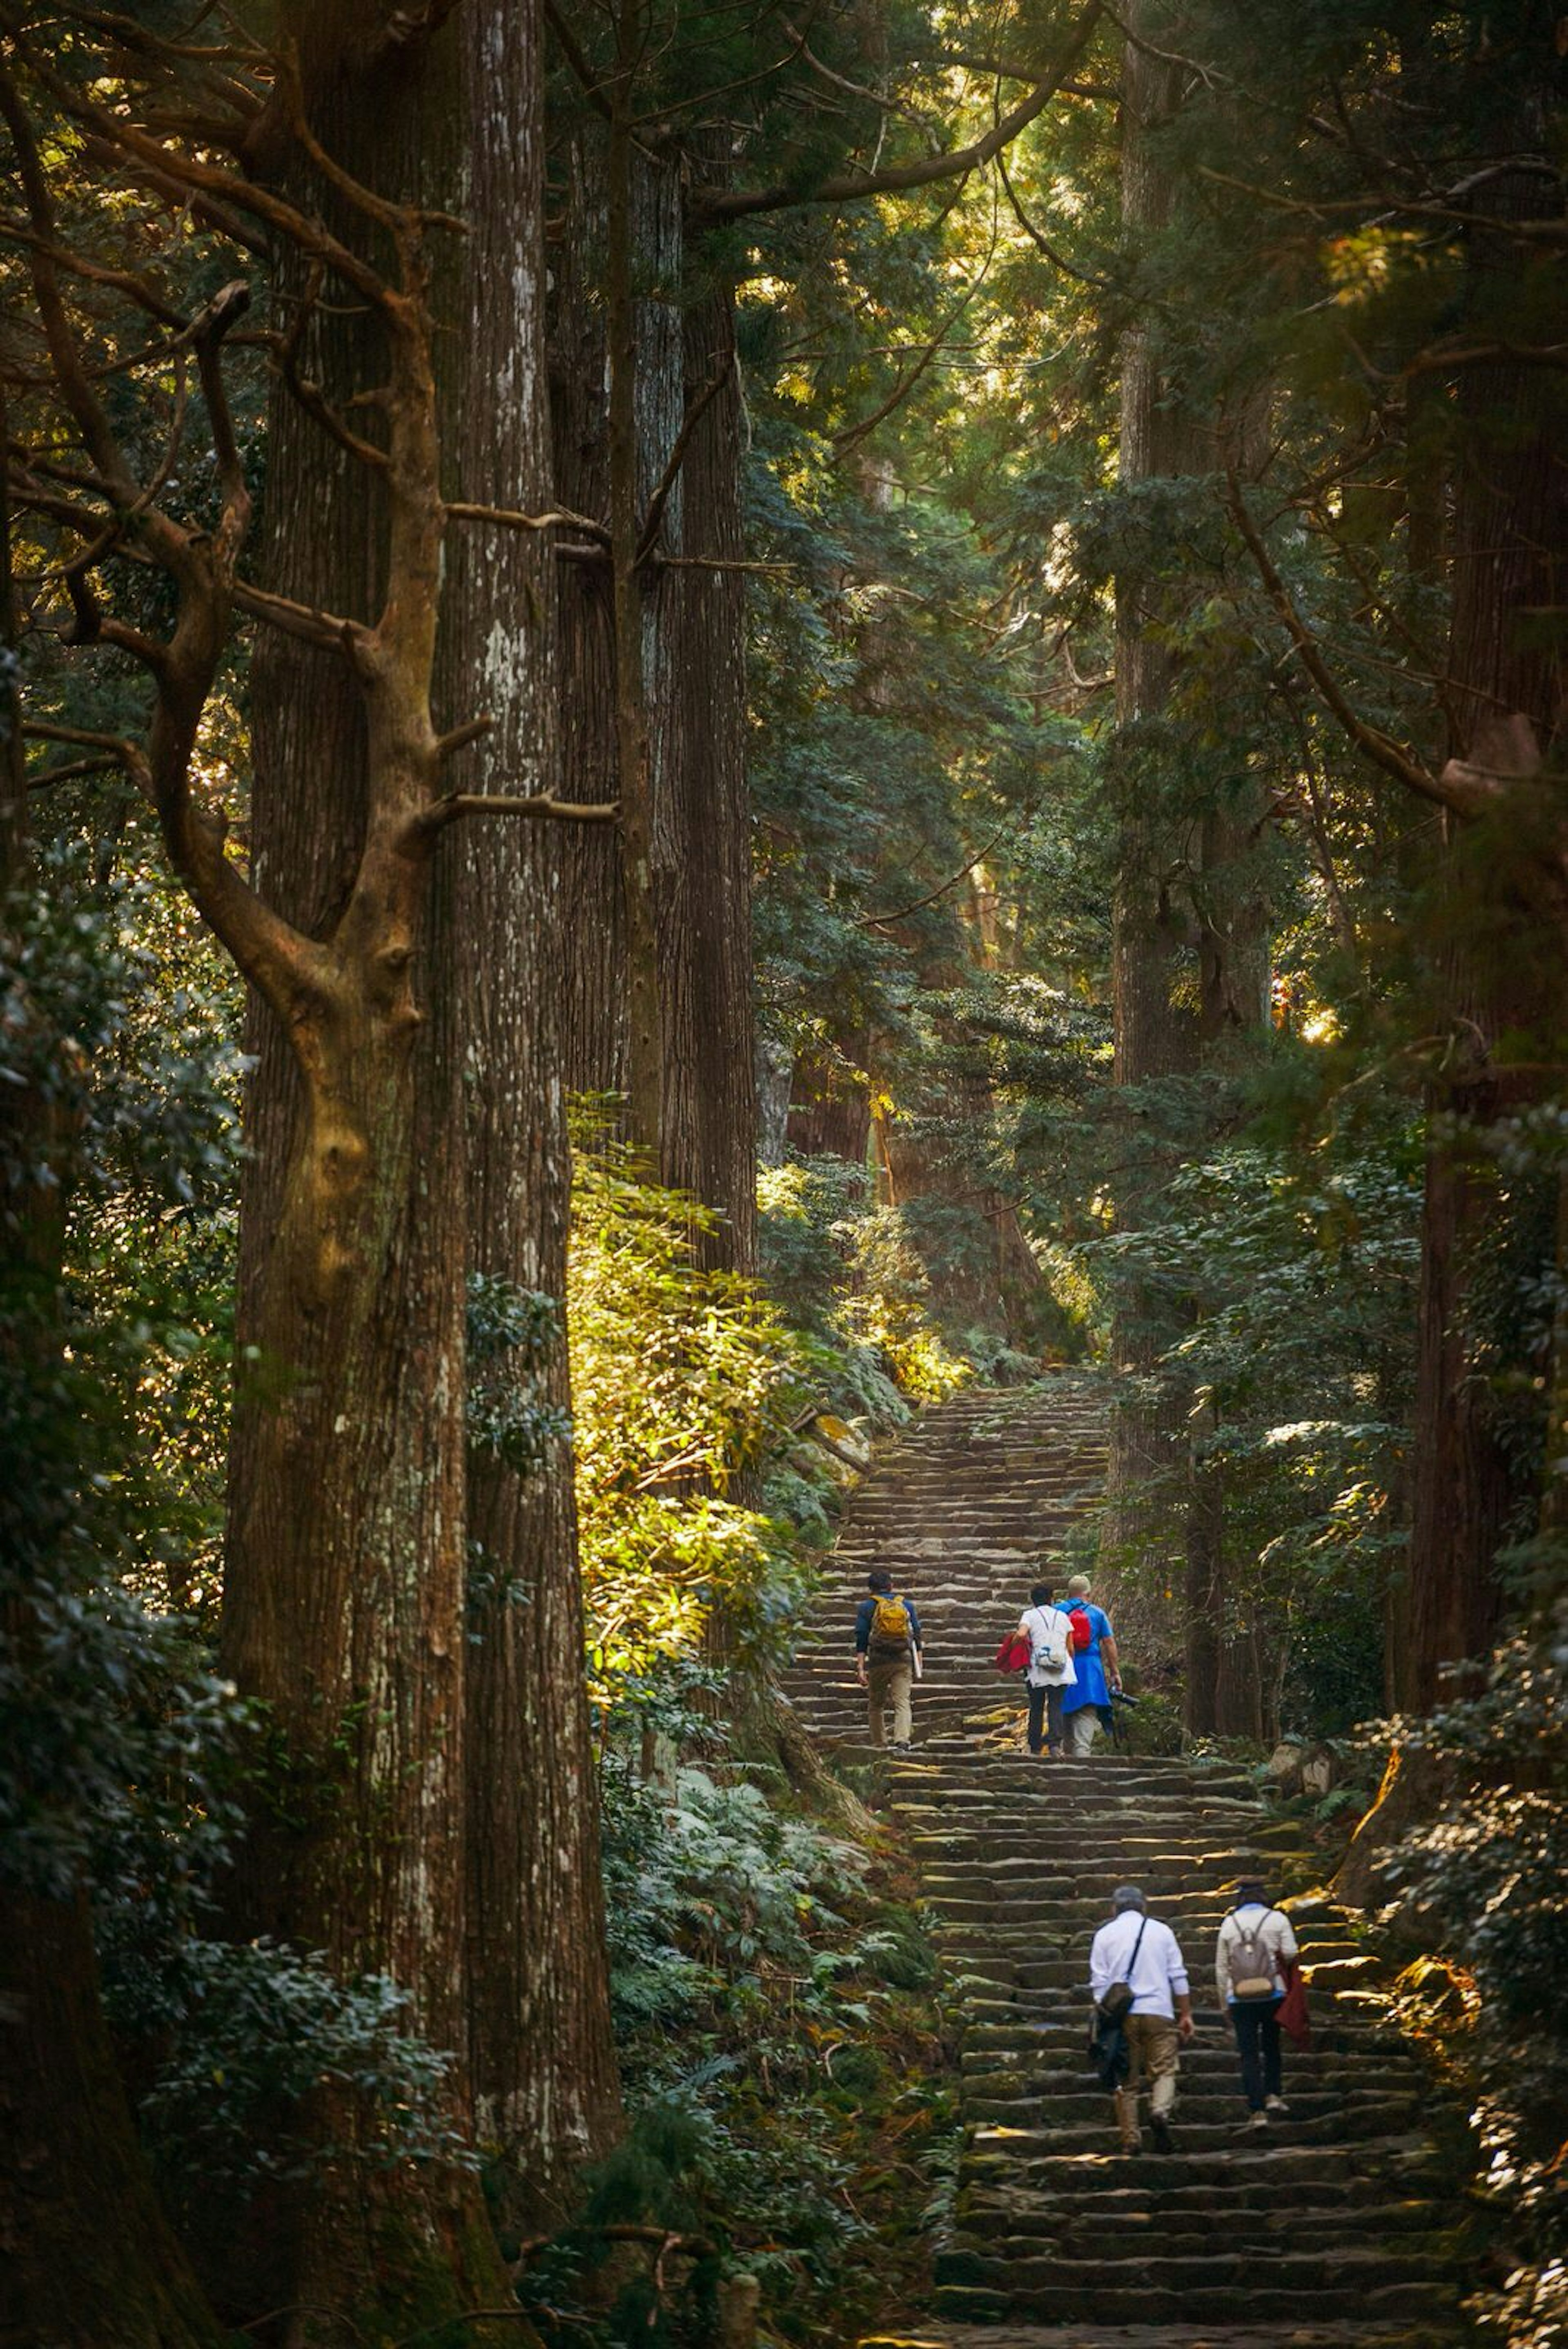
(1091, 1684)
(868, 1608)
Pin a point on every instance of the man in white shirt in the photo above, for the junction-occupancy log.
(1137, 1949)
(1255, 1945)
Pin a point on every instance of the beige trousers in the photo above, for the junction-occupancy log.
(1153, 2046)
(1083, 1728)
(890, 1685)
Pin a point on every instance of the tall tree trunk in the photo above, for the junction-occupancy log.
(1153, 941)
(702, 843)
(1475, 1483)
(344, 1604)
(541, 2053)
(681, 705)
(1189, 961)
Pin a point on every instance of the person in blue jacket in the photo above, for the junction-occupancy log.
(1099, 1671)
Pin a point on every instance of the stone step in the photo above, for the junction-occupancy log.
(1333, 2228)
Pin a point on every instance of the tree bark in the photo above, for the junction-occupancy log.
(1504, 970)
(1153, 948)
(540, 2048)
(344, 1606)
(676, 903)
(90, 2257)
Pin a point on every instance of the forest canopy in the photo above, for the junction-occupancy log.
(710, 721)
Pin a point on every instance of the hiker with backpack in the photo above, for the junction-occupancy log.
(1087, 1704)
(1255, 1948)
(1137, 1980)
(1051, 1672)
(886, 1652)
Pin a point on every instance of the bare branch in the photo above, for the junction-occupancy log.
(539, 805)
(323, 629)
(509, 518)
(901, 913)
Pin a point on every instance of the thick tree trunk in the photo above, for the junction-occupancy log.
(541, 2053)
(1506, 989)
(693, 828)
(702, 842)
(1152, 968)
(88, 2256)
(344, 1606)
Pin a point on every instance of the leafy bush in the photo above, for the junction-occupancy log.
(686, 1386)
(773, 2011)
(262, 2038)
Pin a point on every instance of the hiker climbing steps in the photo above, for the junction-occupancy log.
(1337, 2222)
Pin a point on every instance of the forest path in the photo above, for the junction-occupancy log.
(1338, 2226)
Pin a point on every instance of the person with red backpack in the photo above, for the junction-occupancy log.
(1088, 1702)
(887, 1649)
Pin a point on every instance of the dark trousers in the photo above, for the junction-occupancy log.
(1257, 2032)
(1039, 1699)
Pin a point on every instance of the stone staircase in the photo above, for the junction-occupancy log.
(959, 1510)
(1339, 2225)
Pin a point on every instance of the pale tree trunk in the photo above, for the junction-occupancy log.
(343, 1605)
(541, 2053)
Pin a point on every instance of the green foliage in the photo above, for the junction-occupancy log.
(851, 1275)
(110, 1720)
(773, 2009)
(687, 1385)
(260, 2041)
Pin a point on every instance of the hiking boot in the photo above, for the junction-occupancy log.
(1131, 2145)
(1275, 2105)
(1160, 2130)
(1256, 2121)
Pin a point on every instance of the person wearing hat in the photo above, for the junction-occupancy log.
(1255, 1945)
(1089, 1702)
(1136, 1952)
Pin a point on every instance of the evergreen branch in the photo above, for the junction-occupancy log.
(1392, 757)
(856, 187)
(882, 921)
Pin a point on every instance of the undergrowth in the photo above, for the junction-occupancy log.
(793, 2121)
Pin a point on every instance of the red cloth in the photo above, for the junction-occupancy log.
(1292, 2015)
(1013, 1656)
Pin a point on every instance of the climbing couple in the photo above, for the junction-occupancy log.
(1143, 2006)
(1072, 1670)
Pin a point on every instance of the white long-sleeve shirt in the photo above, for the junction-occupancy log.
(1159, 1977)
(1269, 1926)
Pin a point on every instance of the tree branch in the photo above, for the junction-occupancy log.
(855, 187)
(882, 921)
(538, 805)
(1460, 798)
(654, 518)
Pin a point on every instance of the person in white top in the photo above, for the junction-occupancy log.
(1255, 1945)
(1051, 1671)
(1137, 1949)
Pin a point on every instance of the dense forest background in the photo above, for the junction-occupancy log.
(714, 718)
